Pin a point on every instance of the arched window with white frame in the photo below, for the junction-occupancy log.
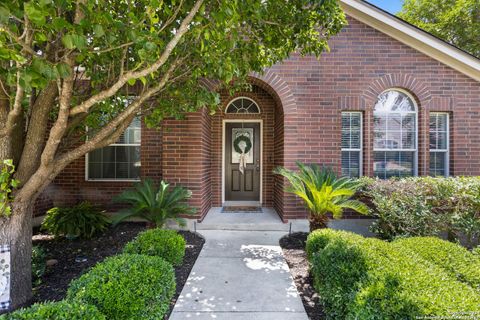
(243, 105)
(395, 145)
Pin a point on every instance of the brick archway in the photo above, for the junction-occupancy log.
(285, 141)
(285, 203)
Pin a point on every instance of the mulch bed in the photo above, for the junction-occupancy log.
(75, 257)
(293, 247)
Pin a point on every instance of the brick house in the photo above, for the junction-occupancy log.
(388, 100)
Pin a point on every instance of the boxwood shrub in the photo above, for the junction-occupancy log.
(318, 239)
(127, 286)
(167, 244)
(63, 310)
(360, 278)
(453, 258)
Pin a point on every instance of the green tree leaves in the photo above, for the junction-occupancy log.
(455, 21)
(7, 184)
(226, 41)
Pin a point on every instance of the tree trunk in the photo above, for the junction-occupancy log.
(317, 221)
(16, 231)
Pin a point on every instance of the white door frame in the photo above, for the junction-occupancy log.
(224, 121)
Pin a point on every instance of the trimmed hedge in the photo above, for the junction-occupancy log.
(453, 258)
(62, 310)
(127, 286)
(359, 278)
(319, 239)
(167, 244)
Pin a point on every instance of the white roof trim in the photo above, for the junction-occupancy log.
(413, 37)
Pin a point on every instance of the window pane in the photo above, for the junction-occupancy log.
(95, 170)
(118, 161)
(394, 140)
(108, 170)
(438, 131)
(351, 163)
(408, 122)
(380, 122)
(408, 140)
(393, 164)
(355, 140)
(394, 100)
(351, 130)
(95, 156)
(438, 163)
(121, 154)
(442, 140)
(439, 141)
(394, 122)
(108, 154)
(433, 140)
(345, 139)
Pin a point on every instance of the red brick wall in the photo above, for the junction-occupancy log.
(186, 157)
(70, 187)
(301, 101)
(362, 63)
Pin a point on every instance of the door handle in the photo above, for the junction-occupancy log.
(257, 167)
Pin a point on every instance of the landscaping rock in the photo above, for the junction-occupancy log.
(51, 262)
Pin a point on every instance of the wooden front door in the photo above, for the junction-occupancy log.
(242, 186)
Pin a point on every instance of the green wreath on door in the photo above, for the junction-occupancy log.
(237, 141)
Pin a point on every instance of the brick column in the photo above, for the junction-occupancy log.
(186, 157)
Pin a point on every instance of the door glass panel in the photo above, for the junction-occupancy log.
(239, 143)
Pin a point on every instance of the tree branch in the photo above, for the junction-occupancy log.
(107, 93)
(36, 131)
(114, 48)
(106, 131)
(172, 18)
(15, 112)
(27, 48)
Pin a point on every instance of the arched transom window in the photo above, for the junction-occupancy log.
(242, 105)
(395, 135)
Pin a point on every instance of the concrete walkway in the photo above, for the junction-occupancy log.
(241, 272)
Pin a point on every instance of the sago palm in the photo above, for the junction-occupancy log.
(322, 192)
(155, 204)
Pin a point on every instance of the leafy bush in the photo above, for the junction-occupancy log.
(62, 310)
(167, 244)
(155, 204)
(425, 206)
(453, 258)
(39, 263)
(317, 241)
(322, 192)
(83, 220)
(127, 286)
(360, 278)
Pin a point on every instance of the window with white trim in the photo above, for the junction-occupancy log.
(439, 143)
(118, 161)
(352, 144)
(242, 105)
(395, 135)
